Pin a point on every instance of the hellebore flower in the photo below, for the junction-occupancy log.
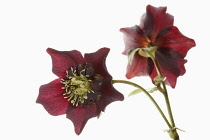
(84, 87)
(156, 35)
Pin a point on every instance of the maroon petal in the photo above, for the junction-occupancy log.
(181, 66)
(153, 74)
(80, 115)
(171, 65)
(109, 94)
(172, 48)
(51, 97)
(133, 38)
(154, 20)
(140, 66)
(171, 79)
(63, 60)
(175, 40)
(97, 59)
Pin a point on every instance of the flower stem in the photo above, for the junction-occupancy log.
(168, 105)
(165, 93)
(150, 97)
(173, 134)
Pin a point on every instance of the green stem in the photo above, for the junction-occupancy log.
(165, 93)
(157, 66)
(168, 105)
(173, 133)
(150, 97)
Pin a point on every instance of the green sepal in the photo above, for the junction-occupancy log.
(148, 52)
(131, 55)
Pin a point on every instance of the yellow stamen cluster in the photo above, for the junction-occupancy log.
(77, 87)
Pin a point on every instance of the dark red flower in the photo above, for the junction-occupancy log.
(156, 30)
(84, 87)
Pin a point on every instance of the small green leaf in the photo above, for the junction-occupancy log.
(152, 90)
(135, 92)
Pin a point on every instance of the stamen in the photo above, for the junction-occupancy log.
(82, 71)
(77, 86)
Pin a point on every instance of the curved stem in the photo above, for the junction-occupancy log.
(150, 97)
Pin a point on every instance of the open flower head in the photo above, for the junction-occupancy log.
(83, 88)
(156, 34)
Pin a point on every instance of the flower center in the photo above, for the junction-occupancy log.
(82, 85)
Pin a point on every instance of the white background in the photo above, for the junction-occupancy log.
(28, 27)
